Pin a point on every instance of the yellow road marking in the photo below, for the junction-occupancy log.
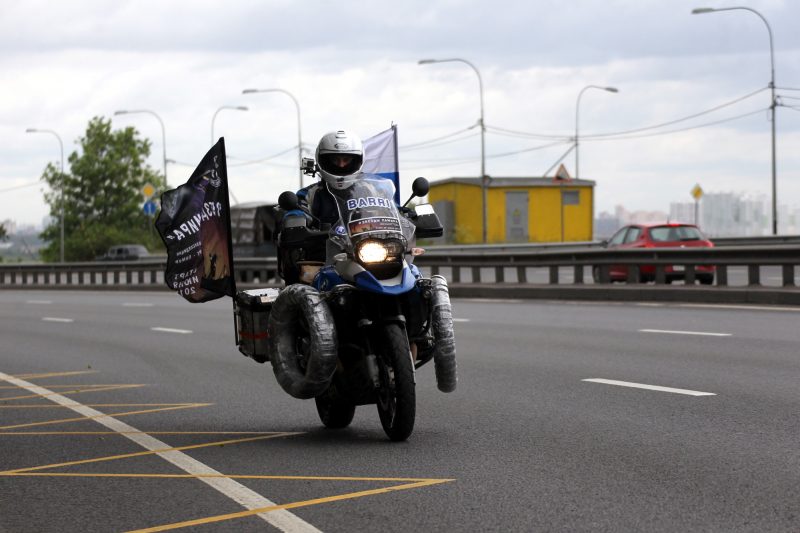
(148, 452)
(228, 476)
(105, 415)
(76, 391)
(66, 386)
(57, 406)
(54, 374)
(294, 505)
(3, 433)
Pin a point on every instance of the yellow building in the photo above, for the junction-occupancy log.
(519, 209)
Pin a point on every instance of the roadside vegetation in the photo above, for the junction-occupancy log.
(102, 189)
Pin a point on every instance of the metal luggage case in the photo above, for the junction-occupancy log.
(251, 318)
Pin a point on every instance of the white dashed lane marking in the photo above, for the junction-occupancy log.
(461, 320)
(677, 332)
(173, 330)
(649, 387)
(57, 319)
(39, 302)
(136, 304)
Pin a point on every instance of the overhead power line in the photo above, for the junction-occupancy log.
(265, 159)
(656, 133)
(435, 142)
(442, 143)
(532, 149)
(452, 164)
(546, 136)
(683, 119)
(516, 133)
(457, 160)
(24, 185)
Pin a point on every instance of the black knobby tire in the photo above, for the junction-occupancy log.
(334, 411)
(444, 355)
(706, 280)
(303, 348)
(397, 400)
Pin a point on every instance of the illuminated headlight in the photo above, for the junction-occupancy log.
(372, 252)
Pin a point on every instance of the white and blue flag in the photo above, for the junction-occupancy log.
(380, 157)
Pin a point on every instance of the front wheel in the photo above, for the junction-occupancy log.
(397, 401)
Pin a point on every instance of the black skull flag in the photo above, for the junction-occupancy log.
(195, 225)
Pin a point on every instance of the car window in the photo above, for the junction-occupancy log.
(675, 233)
(618, 237)
(633, 234)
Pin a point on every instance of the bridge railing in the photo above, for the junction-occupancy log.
(587, 265)
(597, 262)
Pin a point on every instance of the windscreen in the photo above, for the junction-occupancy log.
(367, 208)
(675, 233)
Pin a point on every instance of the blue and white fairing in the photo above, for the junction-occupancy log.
(368, 245)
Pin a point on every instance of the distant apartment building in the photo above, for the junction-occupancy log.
(726, 214)
(9, 225)
(606, 224)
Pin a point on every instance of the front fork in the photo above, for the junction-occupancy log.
(388, 311)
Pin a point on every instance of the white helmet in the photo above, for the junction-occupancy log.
(340, 155)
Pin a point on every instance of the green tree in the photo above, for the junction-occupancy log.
(3, 232)
(102, 195)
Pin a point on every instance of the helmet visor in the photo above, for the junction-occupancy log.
(340, 164)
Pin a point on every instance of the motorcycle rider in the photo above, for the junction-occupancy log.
(339, 158)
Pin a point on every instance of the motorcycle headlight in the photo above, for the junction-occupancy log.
(383, 258)
(372, 252)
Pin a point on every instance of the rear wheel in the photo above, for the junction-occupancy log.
(334, 411)
(706, 279)
(397, 402)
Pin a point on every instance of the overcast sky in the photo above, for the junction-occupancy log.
(353, 64)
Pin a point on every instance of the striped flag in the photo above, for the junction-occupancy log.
(380, 157)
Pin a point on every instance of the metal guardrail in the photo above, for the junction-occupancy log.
(489, 273)
(753, 258)
(585, 245)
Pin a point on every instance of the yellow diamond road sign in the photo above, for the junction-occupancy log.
(697, 192)
(148, 190)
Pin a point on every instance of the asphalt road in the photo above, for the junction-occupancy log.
(524, 444)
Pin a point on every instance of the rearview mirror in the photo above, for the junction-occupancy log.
(288, 201)
(420, 187)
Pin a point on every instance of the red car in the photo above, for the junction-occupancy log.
(671, 235)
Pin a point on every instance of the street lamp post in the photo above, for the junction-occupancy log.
(213, 118)
(299, 131)
(484, 178)
(61, 180)
(163, 134)
(577, 115)
(703, 10)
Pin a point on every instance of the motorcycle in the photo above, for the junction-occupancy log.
(354, 330)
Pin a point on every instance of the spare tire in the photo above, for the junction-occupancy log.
(444, 354)
(303, 343)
